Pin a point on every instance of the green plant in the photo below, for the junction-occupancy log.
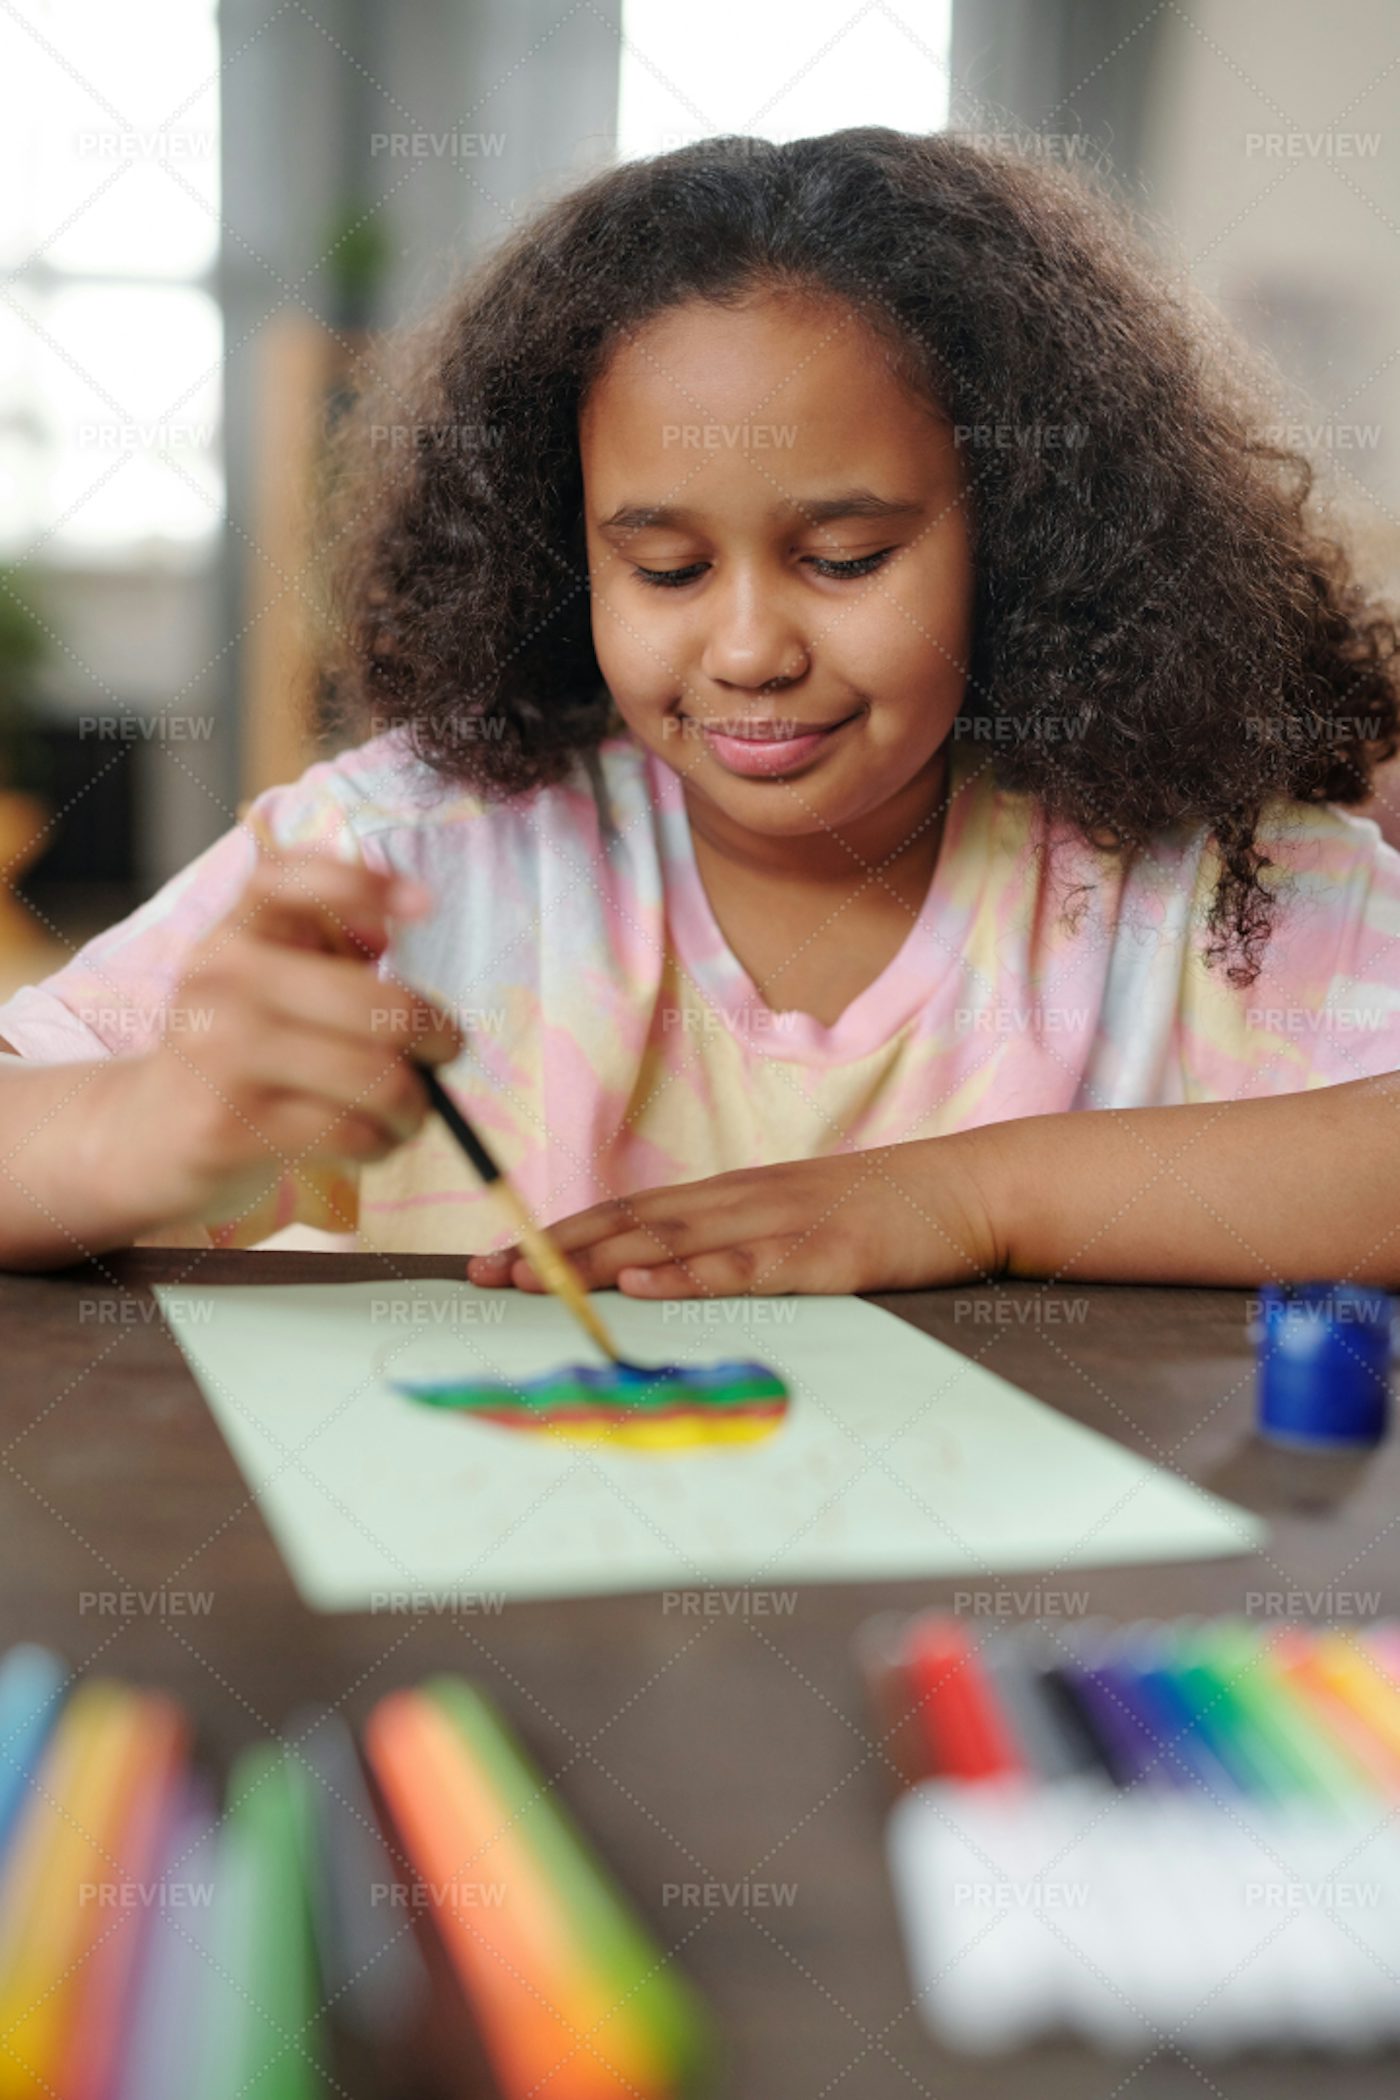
(357, 260)
(23, 646)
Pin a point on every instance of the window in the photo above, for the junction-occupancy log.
(110, 334)
(779, 73)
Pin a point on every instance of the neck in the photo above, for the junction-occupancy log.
(903, 833)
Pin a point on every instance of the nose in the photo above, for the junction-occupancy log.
(751, 641)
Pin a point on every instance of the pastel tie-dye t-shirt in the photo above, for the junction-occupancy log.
(616, 1043)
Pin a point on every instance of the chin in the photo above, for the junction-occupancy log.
(783, 808)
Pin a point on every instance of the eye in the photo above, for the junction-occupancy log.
(670, 579)
(864, 565)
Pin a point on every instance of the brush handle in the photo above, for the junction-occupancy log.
(553, 1267)
(457, 1123)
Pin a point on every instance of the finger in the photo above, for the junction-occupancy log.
(425, 1029)
(661, 1206)
(298, 1130)
(600, 1268)
(627, 1230)
(341, 1073)
(596, 1267)
(492, 1271)
(759, 1268)
(585, 1227)
(312, 900)
(667, 1239)
(672, 1213)
(338, 995)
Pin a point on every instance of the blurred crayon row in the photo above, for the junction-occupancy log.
(420, 1922)
(1181, 1829)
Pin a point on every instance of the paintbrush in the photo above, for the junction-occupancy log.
(553, 1267)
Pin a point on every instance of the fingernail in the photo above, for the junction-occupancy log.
(408, 899)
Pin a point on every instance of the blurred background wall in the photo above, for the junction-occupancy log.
(209, 215)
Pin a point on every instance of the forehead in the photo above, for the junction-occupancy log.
(780, 377)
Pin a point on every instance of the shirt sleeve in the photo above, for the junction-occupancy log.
(113, 998)
(1325, 1007)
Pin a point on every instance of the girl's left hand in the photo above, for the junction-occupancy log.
(899, 1217)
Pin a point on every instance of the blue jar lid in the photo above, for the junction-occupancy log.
(1323, 1365)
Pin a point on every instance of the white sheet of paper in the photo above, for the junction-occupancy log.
(899, 1457)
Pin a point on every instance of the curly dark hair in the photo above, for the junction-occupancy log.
(1162, 631)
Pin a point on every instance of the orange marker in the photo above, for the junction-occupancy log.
(127, 1889)
(1305, 1663)
(551, 2025)
(1364, 1681)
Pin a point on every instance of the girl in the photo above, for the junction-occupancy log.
(860, 717)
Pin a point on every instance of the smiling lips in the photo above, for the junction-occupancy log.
(760, 750)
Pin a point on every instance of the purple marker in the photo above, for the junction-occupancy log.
(1126, 1747)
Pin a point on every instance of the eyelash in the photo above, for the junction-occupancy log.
(673, 579)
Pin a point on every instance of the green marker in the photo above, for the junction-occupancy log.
(266, 2040)
(1278, 1716)
(1252, 1759)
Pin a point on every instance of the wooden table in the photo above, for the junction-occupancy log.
(722, 1751)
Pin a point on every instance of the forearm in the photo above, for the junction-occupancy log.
(64, 1193)
(1241, 1192)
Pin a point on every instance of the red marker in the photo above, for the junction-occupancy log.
(964, 1728)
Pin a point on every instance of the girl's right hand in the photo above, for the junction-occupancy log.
(282, 1047)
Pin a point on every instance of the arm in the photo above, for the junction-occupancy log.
(1240, 1192)
(280, 1047)
(1236, 1192)
(61, 1199)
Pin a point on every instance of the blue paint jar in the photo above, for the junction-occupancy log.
(1323, 1365)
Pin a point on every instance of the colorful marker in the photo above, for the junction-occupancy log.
(1046, 1746)
(263, 2035)
(173, 1994)
(967, 1734)
(636, 1970)
(1300, 1658)
(32, 1686)
(65, 1850)
(127, 1893)
(1243, 1774)
(372, 1974)
(549, 2020)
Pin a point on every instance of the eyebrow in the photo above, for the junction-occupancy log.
(820, 510)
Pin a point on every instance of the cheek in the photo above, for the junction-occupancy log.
(616, 630)
(911, 640)
(635, 653)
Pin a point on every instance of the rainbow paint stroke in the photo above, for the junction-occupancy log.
(673, 1407)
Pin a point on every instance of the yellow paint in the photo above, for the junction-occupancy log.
(675, 1433)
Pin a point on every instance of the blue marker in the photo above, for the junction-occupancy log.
(1185, 1743)
(1162, 1759)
